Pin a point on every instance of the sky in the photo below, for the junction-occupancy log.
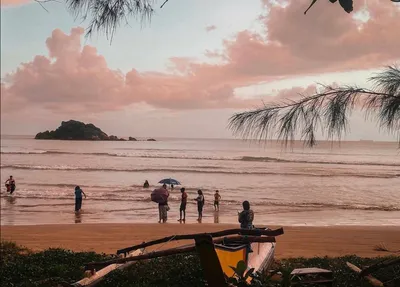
(195, 64)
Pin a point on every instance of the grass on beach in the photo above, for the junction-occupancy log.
(21, 267)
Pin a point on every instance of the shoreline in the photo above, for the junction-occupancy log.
(298, 241)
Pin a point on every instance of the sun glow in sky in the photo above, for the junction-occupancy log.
(188, 70)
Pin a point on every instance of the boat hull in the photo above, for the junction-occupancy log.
(260, 258)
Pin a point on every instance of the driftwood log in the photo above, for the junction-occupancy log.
(249, 232)
(175, 251)
(379, 265)
(374, 282)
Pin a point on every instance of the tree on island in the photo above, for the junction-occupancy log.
(328, 111)
(106, 15)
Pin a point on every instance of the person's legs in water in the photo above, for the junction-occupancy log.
(182, 211)
(78, 204)
(12, 188)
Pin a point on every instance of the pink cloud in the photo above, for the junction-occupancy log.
(211, 28)
(14, 2)
(76, 78)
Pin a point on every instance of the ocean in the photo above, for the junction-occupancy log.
(351, 183)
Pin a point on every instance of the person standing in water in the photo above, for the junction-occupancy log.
(200, 204)
(78, 198)
(246, 217)
(182, 208)
(163, 207)
(146, 184)
(217, 198)
(10, 185)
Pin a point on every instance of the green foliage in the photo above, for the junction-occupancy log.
(241, 275)
(342, 275)
(173, 271)
(53, 267)
(21, 267)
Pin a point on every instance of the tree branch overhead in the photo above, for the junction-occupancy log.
(327, 112)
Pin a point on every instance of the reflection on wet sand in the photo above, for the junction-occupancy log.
(216, 216)
(78, 217)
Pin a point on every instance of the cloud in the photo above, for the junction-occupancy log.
(77, 79)
(14, 2)
(210, 28)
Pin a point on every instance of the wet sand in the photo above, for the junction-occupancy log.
(296, 242)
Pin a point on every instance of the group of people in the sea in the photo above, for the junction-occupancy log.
(245, 217)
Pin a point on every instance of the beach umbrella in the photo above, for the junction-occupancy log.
(169, 181)
(159, 195)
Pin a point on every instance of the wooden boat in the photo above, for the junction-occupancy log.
(257, 255)
(217, 252)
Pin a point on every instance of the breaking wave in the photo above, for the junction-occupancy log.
(207, 170)
(213, 158)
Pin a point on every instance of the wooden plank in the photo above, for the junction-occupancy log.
(375, 282)
(254, 232)
(209, 261)
(309, 271)
(174, 251)
(98, 276)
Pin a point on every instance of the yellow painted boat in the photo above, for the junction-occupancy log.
(257, 255)
(218, 252)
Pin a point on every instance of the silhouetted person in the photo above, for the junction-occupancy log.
(246, 217)
(146, 184)
(200, 204)
(182, 208)
(78, 198)
(163, 207)
(10, 185)
(217, 198)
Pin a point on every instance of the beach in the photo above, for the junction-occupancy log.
(296, 242)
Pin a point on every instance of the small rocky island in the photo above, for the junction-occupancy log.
(75, 130)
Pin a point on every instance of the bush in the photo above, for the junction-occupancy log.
(21, 267)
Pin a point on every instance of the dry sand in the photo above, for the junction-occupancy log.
(297, 241)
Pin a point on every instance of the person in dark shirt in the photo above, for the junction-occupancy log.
(146, 184)
(182, 208)
(200, 204)
(10, 185)
(78, 198)
(246, 217)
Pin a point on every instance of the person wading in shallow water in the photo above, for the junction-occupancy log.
(182, 208)
(10, 185)
(78, 198)
(163, 207)
(217, 198)
(200, 204)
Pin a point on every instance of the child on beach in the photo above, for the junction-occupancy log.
(182, 208)
(200, 204)
(217, 198)
(78, 198)
(246, 217)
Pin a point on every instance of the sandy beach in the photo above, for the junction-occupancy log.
(296, 242)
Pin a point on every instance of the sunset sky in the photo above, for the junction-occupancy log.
(188, 70)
